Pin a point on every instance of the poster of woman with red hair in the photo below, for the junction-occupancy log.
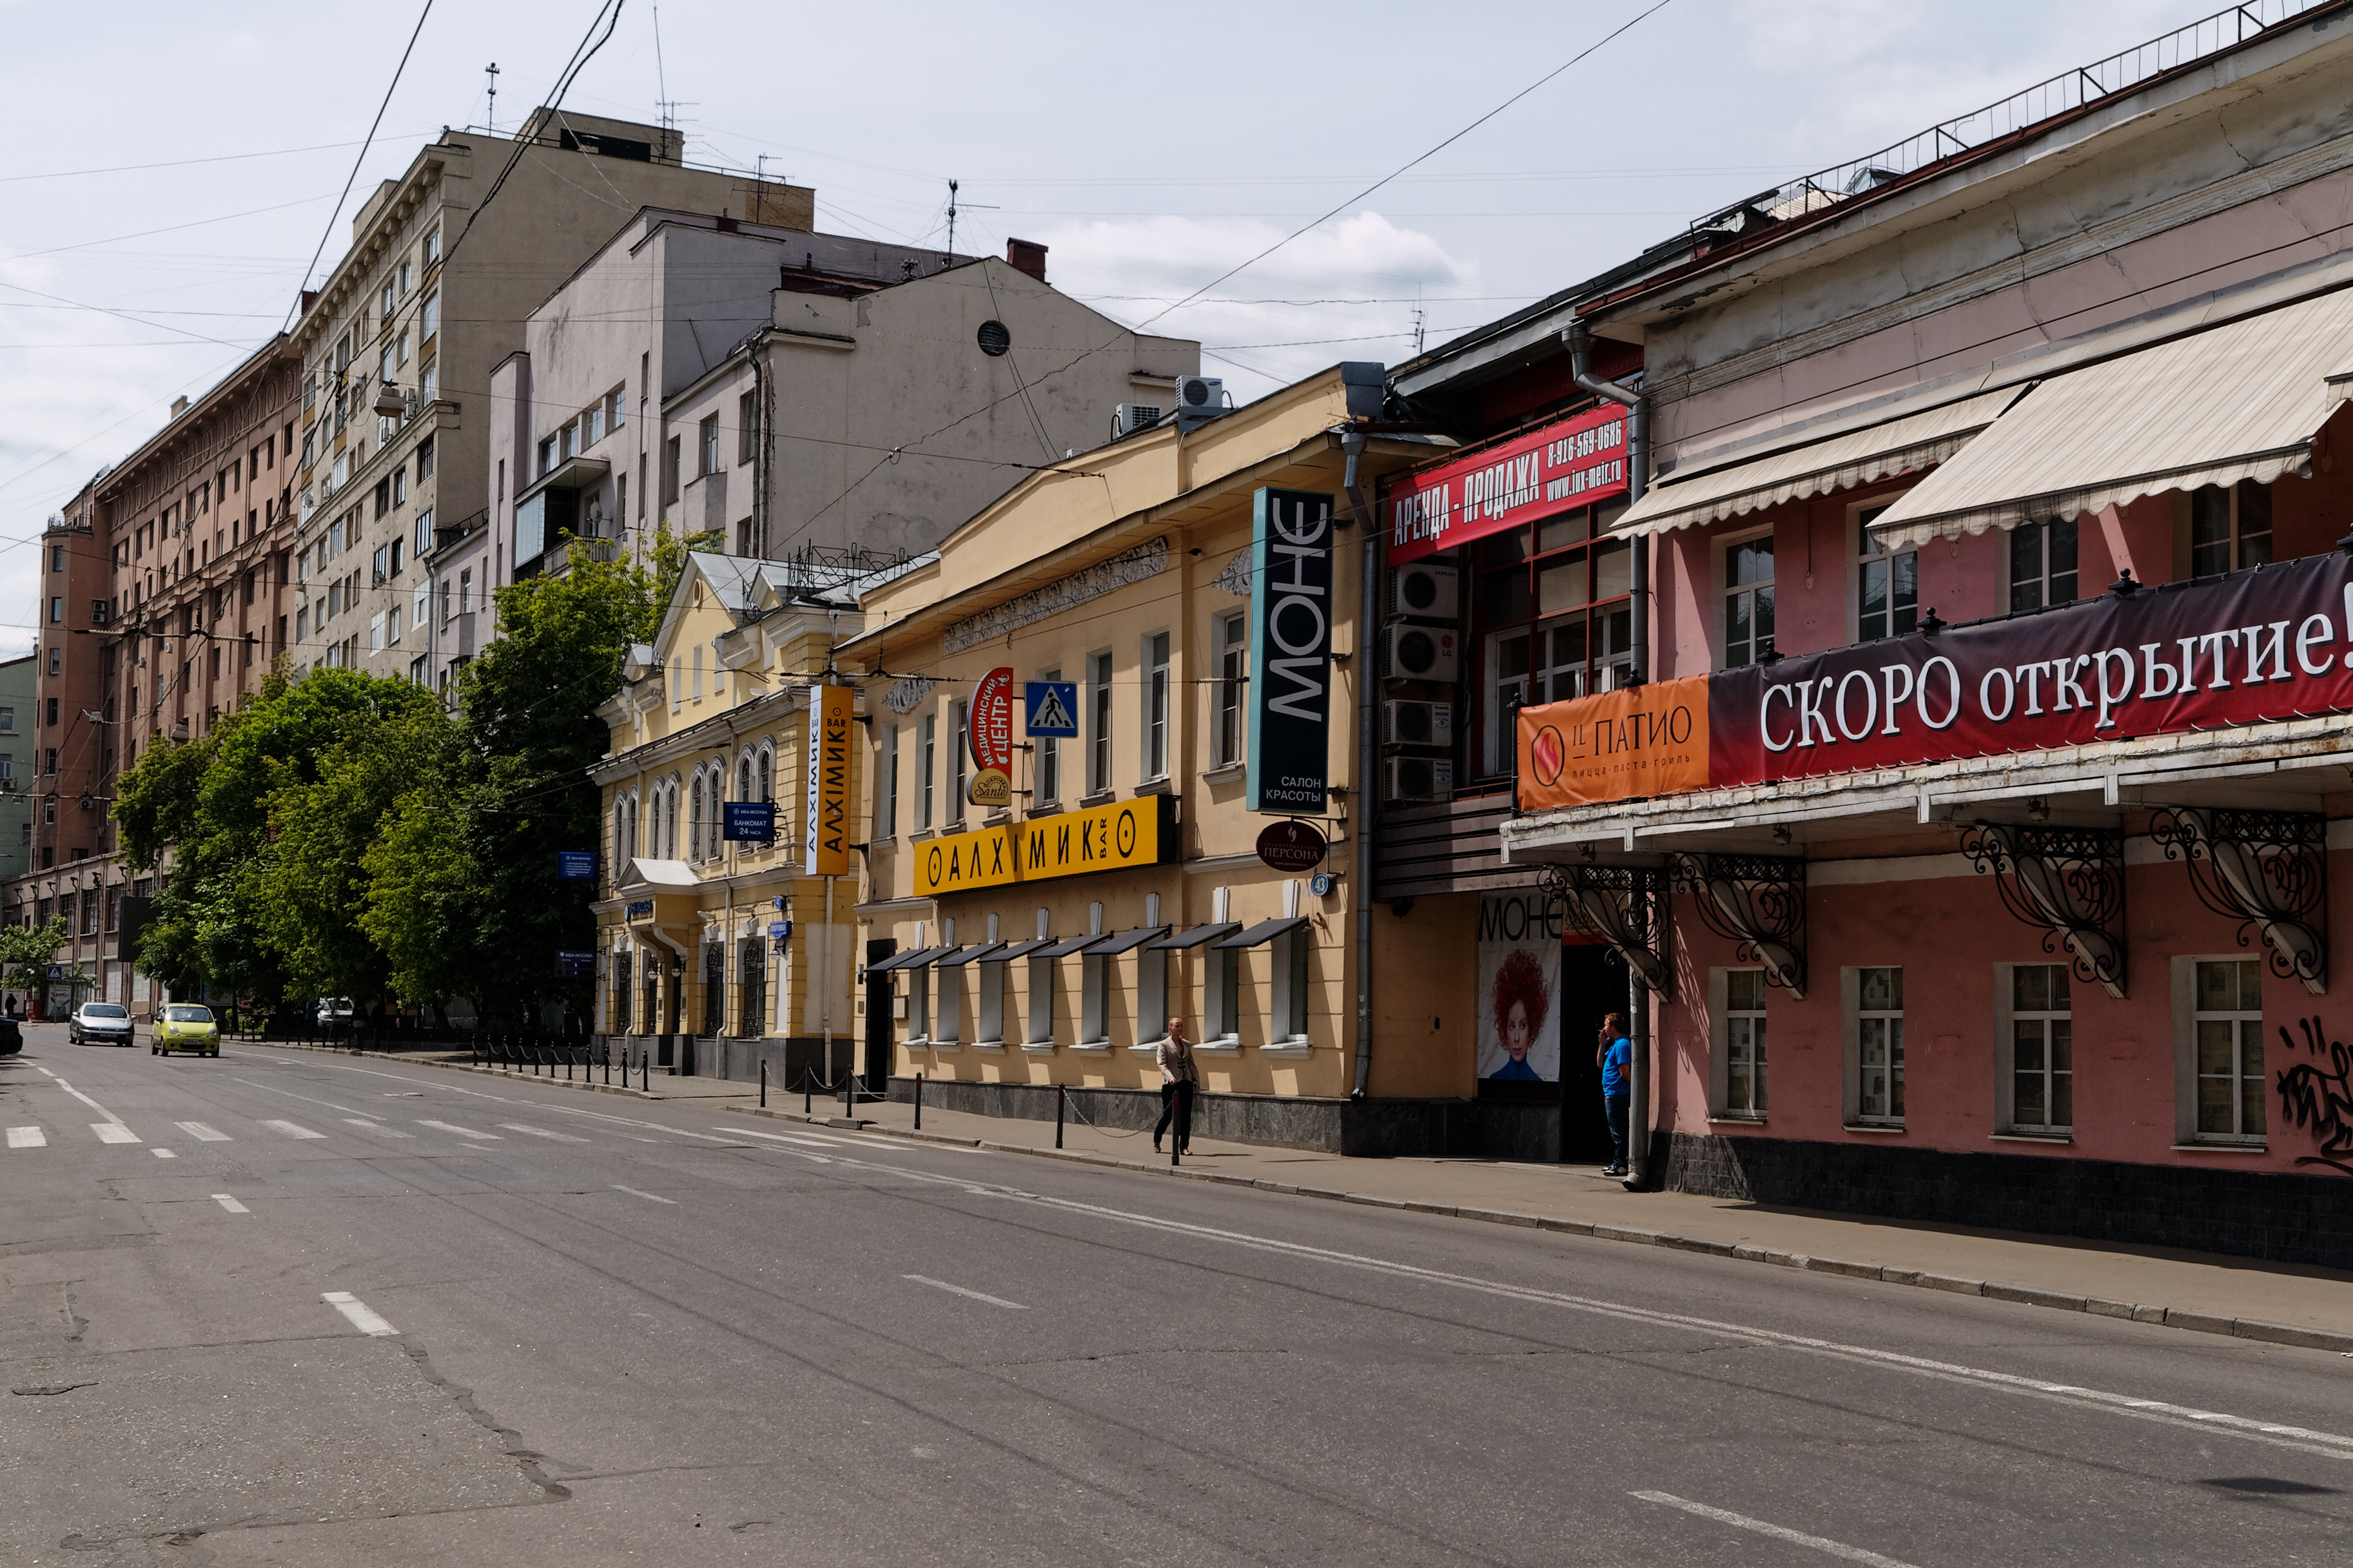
(1519, 980)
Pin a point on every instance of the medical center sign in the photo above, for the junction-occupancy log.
(1291, 651)
(2248, 648)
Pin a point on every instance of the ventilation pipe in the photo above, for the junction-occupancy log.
(1580, 343)
(1360, 896)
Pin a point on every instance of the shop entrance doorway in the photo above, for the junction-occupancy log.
(1592, 983)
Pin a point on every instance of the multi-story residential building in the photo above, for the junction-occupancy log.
(834, 400)
(182, 609)
(19, 689)
(1985, 751)
(398, 350)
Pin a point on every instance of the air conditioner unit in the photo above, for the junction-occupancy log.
(1200, 394)
(1427, 593)
(1129, 417)
(1416, 778)
(1420, 653)
(1406, 724)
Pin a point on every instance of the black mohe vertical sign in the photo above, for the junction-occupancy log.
(1291, 651)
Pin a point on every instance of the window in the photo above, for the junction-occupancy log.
(947, 1028)
(1886, 587)
(382, 564)
(886, 814)
(1878, 1013)
(747, 428)
(2230, 529)
(1155, 706)
(565, 439)
(1748, 601)
(1099, 722)
(2040, 1047)
(1556, 599)
(57, 661)
(1741, 1093)
(919, 1004)
(1233, 671)
(425, 459)
(400, 484)
(428, 316)
(956, 751)
(592, 427)
(2043, 564)
(546, 457)
(432, 248)
(57, 611)
(1287, 1014)
(376, 632)
(708, 445)
(428, 382)
(2227, 1037)
(930, 771)
(1221, 996)
(465, 591)
(989, 1027)
(423, 532)
(1047, 769)
(670, 471)
(615, 409)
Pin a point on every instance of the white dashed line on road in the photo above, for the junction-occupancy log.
(163, 1153)
(230, 1204)
(542, 1133)
(460, 1131)
(292, 1129)
(113, 1133)
(648, 1196)
(378, 1128)
(960, 1290)
(363, 1319)
(27, 1138)
(202, 1133)
(1778, 1532)
(794, 1137)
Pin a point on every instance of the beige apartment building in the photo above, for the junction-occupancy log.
(398, 348)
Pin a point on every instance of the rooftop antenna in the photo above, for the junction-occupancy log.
(494, 111)
(1416, 332)
(952, 195)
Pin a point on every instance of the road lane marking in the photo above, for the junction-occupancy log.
(291, 1130)
(27, 1138)
(86, 1099)
(113, 1133)
(378, 1126)
(542, 1133)
(230, 1204)
(163, 1153)
(960, 1290)
(307, 1100)
(202, 1133)
(1778, 1532)
(365, 1321)
(796, 1137)
(501, 1099)
(460, 1131)
(649, 1196)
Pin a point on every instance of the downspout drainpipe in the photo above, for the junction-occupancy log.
(1360, 896)
(1580, 343)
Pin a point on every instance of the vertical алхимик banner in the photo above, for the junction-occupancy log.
(825, 837)
(1519, 987)
(1291, 651)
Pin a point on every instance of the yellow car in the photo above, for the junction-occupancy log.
(184, 1026)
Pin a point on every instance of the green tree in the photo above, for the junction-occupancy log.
(26, 953)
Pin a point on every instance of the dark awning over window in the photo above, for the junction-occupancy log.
(1196, 936)
(1018, 950)
(1126, 941)
(1265, 931)
(964, 955)
(1068, 945)
(916, 958)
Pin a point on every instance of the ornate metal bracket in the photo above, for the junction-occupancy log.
(1755, 900)
(2066, 882)
(2266, 869)
(1627, 904)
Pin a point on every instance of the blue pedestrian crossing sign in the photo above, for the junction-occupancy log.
(1052, 706)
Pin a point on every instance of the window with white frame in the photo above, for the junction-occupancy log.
(764, 775)
(1039, 1029)
(1288, 996)
(2230, 529)
(919, 1004)
(2042, 563)
(931, 771)
(1233, 676)
(1098, 722)
(989, 1029)
(1155, 706)
(948, 1027)
(1221, 991)
(1094, 998)
(886, 824)
(2227, 1024)
(2040, 1047)
(1046, 767)
(1150, 996)
(1886, 586)
(694, 821)
(708, 445)
(1747, 600)
(1743, 1034)
(1879, 1047)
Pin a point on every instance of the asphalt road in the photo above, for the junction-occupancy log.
(286, 1307)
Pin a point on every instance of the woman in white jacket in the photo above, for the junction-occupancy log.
(1179, 1076)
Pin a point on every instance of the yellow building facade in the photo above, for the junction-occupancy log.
(1011, 951)
(713, 952)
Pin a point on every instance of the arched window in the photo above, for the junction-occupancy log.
(767, 775)
(694, 822)
(744, 779)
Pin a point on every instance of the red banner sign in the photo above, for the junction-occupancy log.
(991, 727)
(1574, 463)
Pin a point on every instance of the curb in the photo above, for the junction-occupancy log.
(2255, 1328)
(448, 1065)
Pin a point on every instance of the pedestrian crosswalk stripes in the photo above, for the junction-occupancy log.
(26, 1138)
(292, 1129)
(113, 1133)
(202, 1133)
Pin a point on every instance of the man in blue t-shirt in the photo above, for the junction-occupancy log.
(1616, 1056)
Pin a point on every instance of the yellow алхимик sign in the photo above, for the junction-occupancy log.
(1122, 834)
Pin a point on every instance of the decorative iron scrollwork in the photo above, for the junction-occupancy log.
(1755, 900)
(2066, 882)
(1627, 904)
(2266, 869)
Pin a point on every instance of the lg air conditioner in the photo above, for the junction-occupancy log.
(1416, 778)
(1129, 417)
(1426, 592)
(1406, 724)
(1420, 653)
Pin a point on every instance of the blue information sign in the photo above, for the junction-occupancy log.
(1051, 707)
(576, 865)
(750, 821)
(572, 965)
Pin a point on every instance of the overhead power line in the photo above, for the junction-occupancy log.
(295, 308)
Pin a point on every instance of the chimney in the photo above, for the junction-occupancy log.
(179, 407)
(1026, 256)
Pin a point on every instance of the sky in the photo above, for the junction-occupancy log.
(175, 173)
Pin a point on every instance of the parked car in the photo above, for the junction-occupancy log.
(334, 1013)
(99, 1023)
(12, 1038)
(186, 1027)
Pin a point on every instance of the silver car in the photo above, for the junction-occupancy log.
(99, 1023)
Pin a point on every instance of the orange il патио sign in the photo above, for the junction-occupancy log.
(1651, 740)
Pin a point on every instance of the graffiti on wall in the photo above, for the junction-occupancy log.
(2319, 1094)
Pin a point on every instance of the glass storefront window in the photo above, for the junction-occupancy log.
(1551, 608)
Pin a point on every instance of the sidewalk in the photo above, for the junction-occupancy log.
(2205, 1293)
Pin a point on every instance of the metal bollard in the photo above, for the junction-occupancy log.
(919, 1102)
(645, 1066)
(807, 1107)
(764, 1083)
(1062, 1096)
